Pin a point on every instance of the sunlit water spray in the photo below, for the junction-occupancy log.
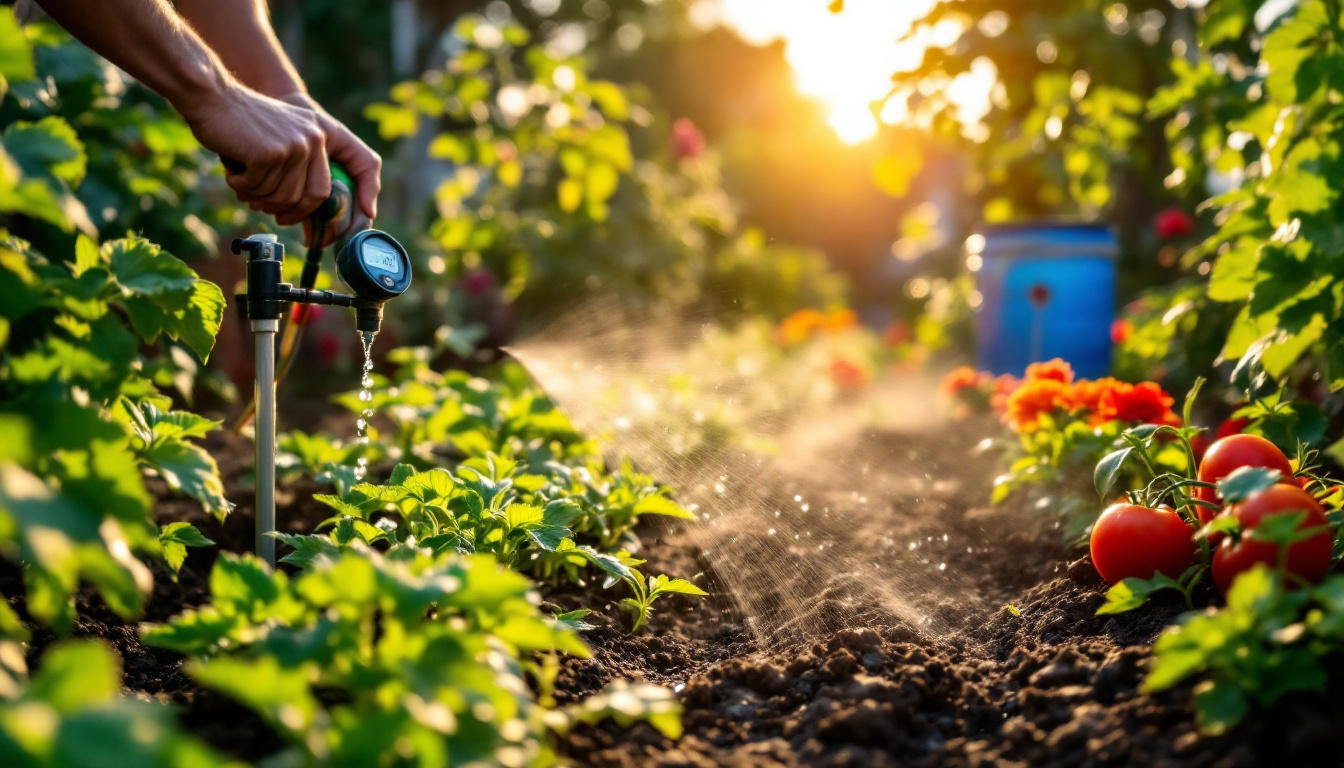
(802, 518)
(366, 397)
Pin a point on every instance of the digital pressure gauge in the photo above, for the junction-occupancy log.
(375, 266)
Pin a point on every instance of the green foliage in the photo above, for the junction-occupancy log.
(1265, 643)
(543, 167)
(1065, 124)
(122, 159)
(80, 416)
(1276, 251)
(641, 605)
(420, 650)
(71, 716)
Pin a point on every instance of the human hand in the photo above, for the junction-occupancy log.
(362, 163)
(281, 149)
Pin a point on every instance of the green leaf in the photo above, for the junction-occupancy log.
(76, 674)
(141, 267)
(575, 619)
(1219, 705)
(174, 538)
(1280, 528)
(189, 469)
(1108, 470)
(16, 55)
(197, 324)
(523, 516)
(1245, 482)
(1219, 524)
(661, 505)
(665, 586)
(1132, 593)
(47, 149)
(400, 474)
(280, 695)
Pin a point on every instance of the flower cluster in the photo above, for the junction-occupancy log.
(801, 325)
(1049, 390)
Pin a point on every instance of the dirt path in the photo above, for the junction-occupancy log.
(944, 676)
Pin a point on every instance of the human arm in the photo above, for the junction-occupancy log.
(281, 146)
(241, 34)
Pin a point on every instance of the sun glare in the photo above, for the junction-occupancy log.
(845, 60)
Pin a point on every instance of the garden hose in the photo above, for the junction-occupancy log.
(336, 212)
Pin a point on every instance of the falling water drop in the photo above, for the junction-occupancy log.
(365, 397)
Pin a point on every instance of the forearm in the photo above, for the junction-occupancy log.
(240, 33)
(148, 40)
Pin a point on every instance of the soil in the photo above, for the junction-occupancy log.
(949, 677)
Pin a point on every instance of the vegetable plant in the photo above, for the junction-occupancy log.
(363, 655)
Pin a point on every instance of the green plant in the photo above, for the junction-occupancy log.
(70, 715)
(1265, 643)
(646, 591)
(422, 652)
(80, 416)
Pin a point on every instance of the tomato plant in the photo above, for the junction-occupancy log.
(1231, 453)
(1306, 559)
(1130, 541)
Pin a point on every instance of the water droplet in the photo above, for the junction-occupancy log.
(365, 396)
(942, 566)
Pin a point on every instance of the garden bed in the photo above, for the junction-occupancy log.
(861, 684)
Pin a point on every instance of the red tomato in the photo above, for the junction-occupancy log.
(1130, 541)
(1231, 453)
(1309, 559)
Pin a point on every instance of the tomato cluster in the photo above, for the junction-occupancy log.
(1135, 541)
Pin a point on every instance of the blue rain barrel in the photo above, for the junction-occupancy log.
(1047, 291)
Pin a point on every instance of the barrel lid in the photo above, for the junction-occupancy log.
(1042, 238)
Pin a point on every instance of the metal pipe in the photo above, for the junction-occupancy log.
(264, 332)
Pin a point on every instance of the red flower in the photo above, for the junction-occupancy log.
(897, 333)
(1173, 223)
(478, 282)
(328, 347)
(1144, 403)
(848, 375)
(307, 314)
(1053, 370)
(687, 140)
(1121, 330)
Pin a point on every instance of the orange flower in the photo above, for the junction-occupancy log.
(848, 375)
(1034, 399)
(1003, 386)
(799, 326)
(840, 319)
(1087, 394)
(1145, 403)
(963, 378)
(1053, 370)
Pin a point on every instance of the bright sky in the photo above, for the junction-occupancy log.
(845, 60)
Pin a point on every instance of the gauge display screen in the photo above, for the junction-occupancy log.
(381, 256)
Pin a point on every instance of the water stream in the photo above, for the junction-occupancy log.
(365, 397)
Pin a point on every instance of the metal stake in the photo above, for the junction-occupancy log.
(264, 332)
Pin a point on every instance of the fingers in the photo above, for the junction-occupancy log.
(316, 181)
(364, 165)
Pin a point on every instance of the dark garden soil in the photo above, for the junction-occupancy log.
(1052, 685)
